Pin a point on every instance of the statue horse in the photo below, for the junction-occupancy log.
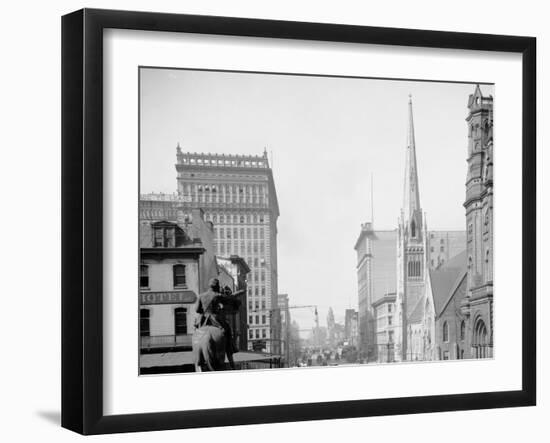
(209, 348)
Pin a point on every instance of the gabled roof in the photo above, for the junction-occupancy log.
(446, 280)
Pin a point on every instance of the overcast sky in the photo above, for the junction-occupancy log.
(327, 136)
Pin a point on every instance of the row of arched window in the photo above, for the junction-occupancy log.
(225, 193)
(414, 268)
(201, 161)
(446, 331)
(480, 341)
(236, 218)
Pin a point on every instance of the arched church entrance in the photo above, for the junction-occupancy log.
(480, 340)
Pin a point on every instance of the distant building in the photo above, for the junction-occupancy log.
(376, 275)
(384, 314)
(237, 194)
(443, 245)
(351, 327)
(233, 272)
(285, 326)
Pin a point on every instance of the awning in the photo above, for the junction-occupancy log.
(186, 358)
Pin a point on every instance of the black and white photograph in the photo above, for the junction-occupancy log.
(296, 221)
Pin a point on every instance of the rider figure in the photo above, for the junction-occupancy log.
(210, 307)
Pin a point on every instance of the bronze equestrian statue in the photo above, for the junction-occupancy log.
(213, 338)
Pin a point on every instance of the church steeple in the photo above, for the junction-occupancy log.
(412, 212)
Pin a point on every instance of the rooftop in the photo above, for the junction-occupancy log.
(222, 160)
(446, 279)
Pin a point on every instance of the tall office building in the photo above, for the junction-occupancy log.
(376, 276)
(237, 194)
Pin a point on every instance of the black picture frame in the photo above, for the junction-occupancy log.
(82, 218)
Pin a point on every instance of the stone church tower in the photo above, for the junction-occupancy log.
(478, 305)
(411, 248)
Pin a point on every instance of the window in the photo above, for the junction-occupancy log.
(250, 319)
(413, 229)
(263, 319)
(441, 241)
(264, 333)
(263, 304)
(179, 275)
(413, 268)
(480, 340)
(180, 321)
(390, 336)
(167, 235)
(445, 332)
(446, 355)
(389, 319)
(257, 319)
(462, 330)
(390, 306)
(442, 248)
(257, 333)
(250, 333)
(432, 249)
(144, 276)
(144, 325)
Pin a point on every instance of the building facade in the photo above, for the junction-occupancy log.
(233, 272)
(351, 327)
(285, 319)
(478, 306)
(237, 194)
(174, 269)
(384, 313)
(376, 264)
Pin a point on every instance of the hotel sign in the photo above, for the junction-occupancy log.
(167, 297)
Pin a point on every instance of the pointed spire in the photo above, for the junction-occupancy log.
(411, 194)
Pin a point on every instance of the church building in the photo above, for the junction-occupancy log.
(478, 306)
(412, 248)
